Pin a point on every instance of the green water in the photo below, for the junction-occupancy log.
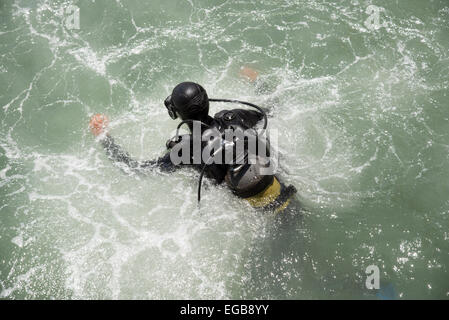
(363, 117)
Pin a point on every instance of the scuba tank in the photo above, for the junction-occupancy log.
(243, 175)
(248, 174)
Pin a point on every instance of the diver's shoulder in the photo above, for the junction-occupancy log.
(232, 113)
(221, 113)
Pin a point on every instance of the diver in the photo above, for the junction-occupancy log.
(190, 102)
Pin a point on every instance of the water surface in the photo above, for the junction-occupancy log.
(363, 116)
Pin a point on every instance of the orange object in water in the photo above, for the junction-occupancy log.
(98, 123)
(249, 73)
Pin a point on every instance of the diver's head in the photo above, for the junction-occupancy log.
(189, 100)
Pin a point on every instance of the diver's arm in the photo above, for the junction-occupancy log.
(98, 125)
(118, 155)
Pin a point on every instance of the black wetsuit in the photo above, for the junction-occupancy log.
(248, 118)
(263, 191)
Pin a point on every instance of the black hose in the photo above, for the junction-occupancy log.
(187, 121)
(200, 180)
